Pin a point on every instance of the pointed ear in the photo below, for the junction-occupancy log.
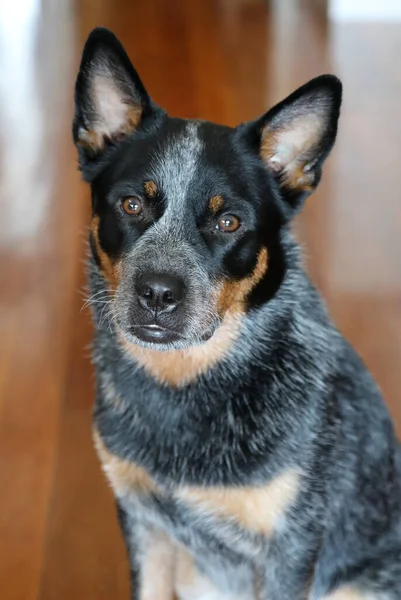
(110, 99)
(295, 136)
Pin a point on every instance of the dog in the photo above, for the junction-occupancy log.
(248, 448)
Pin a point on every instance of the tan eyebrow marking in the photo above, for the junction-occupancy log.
(150, 189)
(215, 203)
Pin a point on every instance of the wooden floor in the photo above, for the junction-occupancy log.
(224, 60)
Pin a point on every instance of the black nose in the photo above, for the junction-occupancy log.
(159, 293)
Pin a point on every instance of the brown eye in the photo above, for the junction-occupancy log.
(228, 223)
(132, 206)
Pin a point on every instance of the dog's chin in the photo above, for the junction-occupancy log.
(164, 340)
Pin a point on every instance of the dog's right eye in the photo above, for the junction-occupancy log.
(228, 223)
(131, 206)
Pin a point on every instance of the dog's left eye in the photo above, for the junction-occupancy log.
(228, 223)
(131, 206)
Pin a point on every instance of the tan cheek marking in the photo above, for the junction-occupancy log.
(112, 271)
(96, 140)
(180, 367)
(215, 203)
(234, 293)
(158, 568)
(351, 593)
(150, 189)
(256, 509)
(123, 476)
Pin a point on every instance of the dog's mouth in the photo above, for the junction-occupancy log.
(154, 333)
(159, 337)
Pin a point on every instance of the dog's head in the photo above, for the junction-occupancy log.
(187, 214)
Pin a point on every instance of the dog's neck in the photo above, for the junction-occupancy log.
(181, 367)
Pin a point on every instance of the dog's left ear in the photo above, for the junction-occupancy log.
(295, 136)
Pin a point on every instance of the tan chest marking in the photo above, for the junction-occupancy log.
(351, 593)
(257, 509)
(180, 367)
(123, 476)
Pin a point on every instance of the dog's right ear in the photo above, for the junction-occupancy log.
(110, 99)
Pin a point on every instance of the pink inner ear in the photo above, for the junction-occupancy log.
(289, 150)
(115, 117)
(111, 109)
(282, 146)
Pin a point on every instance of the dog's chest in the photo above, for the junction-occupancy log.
(214, 513)
(201, 433)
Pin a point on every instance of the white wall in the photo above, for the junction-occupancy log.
(365, 10)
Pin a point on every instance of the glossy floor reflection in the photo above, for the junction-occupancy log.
(225, 60)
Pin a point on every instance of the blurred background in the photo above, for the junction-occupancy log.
(224, 60)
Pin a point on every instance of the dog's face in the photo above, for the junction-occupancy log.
(187, 214)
